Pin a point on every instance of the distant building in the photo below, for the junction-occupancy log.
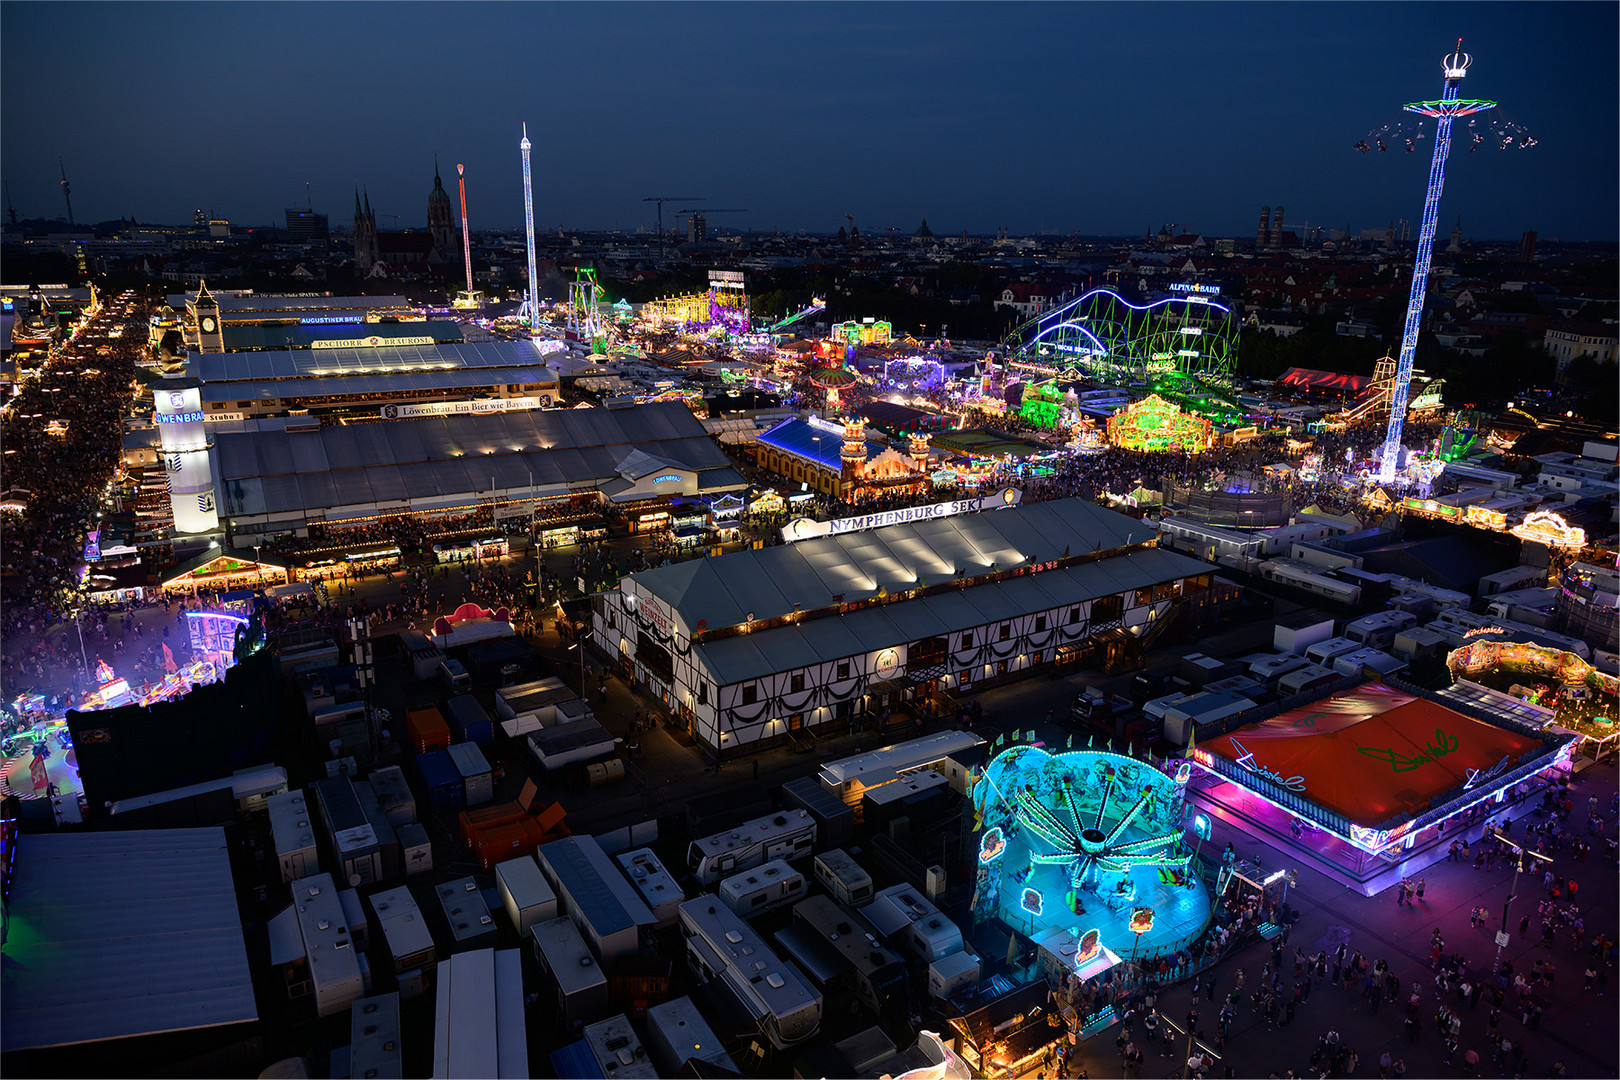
(307, 227)
(1527, 247)
(1575, 339)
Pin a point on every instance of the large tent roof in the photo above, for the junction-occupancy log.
(1373, 753)
(125, 933)
(270, 472)
(773, 581)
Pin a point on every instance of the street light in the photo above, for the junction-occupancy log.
(584, 691)
(1513, 892)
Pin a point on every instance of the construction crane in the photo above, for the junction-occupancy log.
(891, 229)
(661, 200)
(851, 218)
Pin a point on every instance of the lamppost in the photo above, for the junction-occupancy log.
(584, 691)
(258, 573)
(84, 660)
(1513, 892)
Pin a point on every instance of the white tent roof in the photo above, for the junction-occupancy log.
(770, 581)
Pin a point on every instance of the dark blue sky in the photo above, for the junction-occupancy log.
(1106, 118)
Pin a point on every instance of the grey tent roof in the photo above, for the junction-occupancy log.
(127, 933)
(382, 360)
(770, 581)
(276, 472)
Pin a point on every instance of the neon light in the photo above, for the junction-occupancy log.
(1033, 901)
(1245, 760)
(1090, 945)
(1546, 527)
(1445, 110)
(993, 846)
(216, 615)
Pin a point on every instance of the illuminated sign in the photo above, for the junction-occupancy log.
(1032, 901)
(1188, 287)
(180, 417)
(993, 845)
(668, 478)
(887, 663)
(805, 529)
(372, 342)
(1193, 331)
(1090, 945)
(460, 408)
(329, 320)
(1246, 760)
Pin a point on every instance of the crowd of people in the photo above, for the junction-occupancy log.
(87, 384)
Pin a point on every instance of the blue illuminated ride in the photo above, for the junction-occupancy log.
(1098, 815)
(1445, 110)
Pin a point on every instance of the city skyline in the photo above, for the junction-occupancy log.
(806, 114)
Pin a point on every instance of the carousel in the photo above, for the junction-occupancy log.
(1087, 845)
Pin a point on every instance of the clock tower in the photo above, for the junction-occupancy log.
(210, 339)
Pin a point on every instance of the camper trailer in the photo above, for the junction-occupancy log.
(771, 885)
(790, 834)
(842, 877)
(721, 947)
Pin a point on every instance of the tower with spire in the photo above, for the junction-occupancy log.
(365, 234)
(441, 222)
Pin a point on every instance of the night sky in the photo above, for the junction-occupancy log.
(1102, 118)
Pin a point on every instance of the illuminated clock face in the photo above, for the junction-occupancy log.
(208, 324)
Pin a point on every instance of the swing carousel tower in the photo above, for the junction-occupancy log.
(1447, 108)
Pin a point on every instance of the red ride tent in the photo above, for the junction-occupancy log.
(1373, 753)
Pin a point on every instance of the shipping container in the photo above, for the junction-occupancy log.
(919, 796)
(415, 849)
(834, 819)
(525, 893)
(471, 924)
(499, 843)
(393, 794)
(469, 721)
(427, 729)
(354, 839)
(484, 817)
(475, 772)
(422, 654)
(446, 790)
(578, 985)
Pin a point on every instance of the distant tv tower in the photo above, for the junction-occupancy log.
(466, 240)
(1445, 109)
(67, 192)
(531, 305)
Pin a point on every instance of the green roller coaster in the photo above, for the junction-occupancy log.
(1182, 348)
